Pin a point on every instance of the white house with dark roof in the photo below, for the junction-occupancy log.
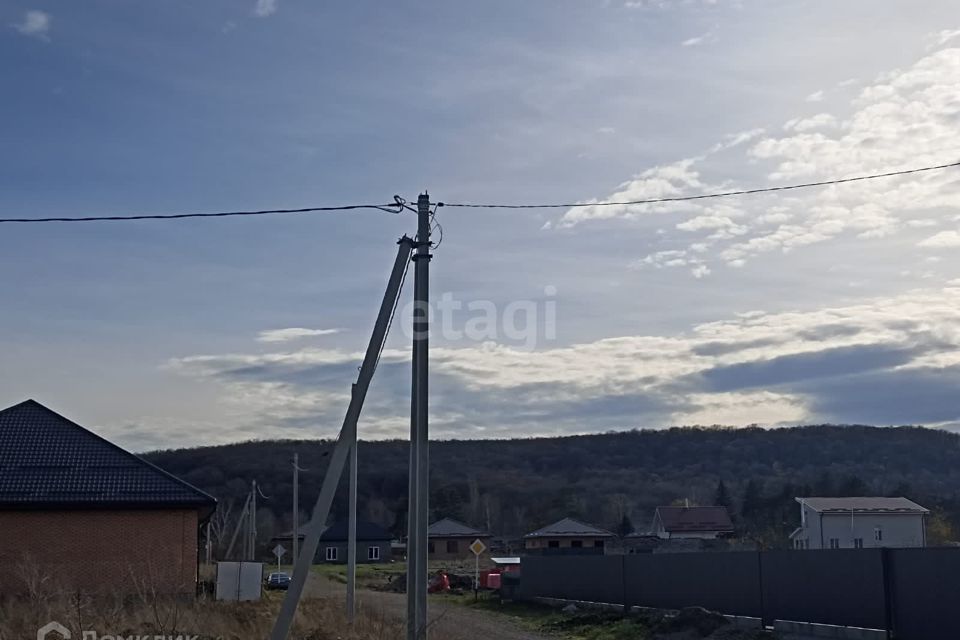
(568, 536)
(859, 523)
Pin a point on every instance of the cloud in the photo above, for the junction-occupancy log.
(942, 37)
(292, 333)
(35, 24)
(707, 38)
(756, 367)
(905, 118)
(942, 240)
(265, 8)
(819, 121)
(816, 96)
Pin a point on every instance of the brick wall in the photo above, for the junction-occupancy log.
(114, 551)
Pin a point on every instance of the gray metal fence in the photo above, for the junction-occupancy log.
(912, 593)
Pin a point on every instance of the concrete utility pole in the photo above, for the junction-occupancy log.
(418, 512)
(253, 522)
(296, 506)
(352, 528)
(341, 450)
(241, 520)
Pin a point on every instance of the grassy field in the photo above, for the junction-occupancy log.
(125, 616)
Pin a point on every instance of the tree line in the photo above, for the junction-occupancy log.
(613, 480)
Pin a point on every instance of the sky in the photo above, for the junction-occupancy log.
(837, 304)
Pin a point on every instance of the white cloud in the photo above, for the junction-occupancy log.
(819, 121)
(766, 408)
(265, 8)
(35, 24)
(479, 383)
(906, 118)
(292, 333)
(816, 96)
(707, 38)
(942, 240)
(942, 37)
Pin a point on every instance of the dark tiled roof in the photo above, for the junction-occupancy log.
(569, 527)
(693, 519)
(449, 528)
(337, 532)
(47, 461)
(863, 505)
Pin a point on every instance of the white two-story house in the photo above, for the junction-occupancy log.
(859, 523)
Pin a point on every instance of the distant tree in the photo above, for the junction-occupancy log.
(902, 490)
(853, 485)
(721, 497)
(824, 485)
(625, 527)
(751, 499)
(940, 530)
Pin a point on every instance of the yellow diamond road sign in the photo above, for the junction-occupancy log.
(478, 547)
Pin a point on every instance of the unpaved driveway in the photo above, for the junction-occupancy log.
(447, 620)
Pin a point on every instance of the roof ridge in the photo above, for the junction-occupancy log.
(132, 456)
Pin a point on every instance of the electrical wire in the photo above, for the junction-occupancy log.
(705, 196)
(396, 207)
(400, 205)
(437, 226)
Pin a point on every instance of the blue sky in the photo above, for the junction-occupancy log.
(834, 304)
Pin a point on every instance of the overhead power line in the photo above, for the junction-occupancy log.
(399, 204)
(704, 196)
(396, 207)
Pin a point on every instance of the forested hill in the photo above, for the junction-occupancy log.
(514, 486)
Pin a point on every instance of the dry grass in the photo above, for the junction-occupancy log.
(122, 616)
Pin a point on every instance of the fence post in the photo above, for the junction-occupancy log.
(623, 583)
(763, 606)
(887, 571)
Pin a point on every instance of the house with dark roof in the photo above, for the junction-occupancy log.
(79, 513)
(859, 523)
(373, 544)
(449, 539)
(703, 523)
(568, 536)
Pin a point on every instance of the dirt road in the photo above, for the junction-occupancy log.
(447, 620)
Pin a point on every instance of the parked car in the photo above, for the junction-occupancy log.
(278, 580)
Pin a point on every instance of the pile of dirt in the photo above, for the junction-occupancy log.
(395, 583)
(696, 623)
